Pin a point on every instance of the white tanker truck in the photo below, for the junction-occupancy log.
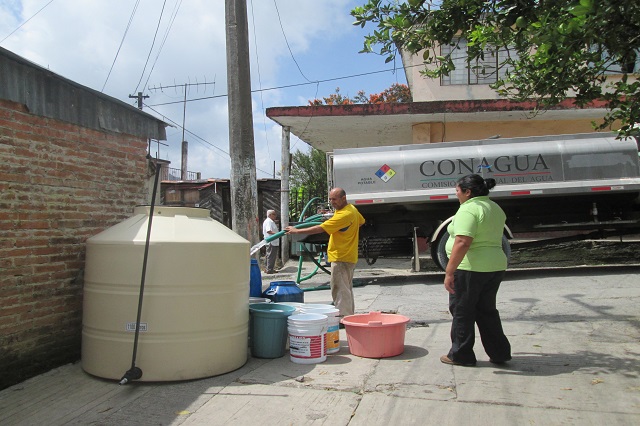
(580, 183)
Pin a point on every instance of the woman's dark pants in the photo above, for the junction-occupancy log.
(474, 302)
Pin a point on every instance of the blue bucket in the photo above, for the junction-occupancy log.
(255, 281)
(268, 331)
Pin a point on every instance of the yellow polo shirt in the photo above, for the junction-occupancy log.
(343, 229)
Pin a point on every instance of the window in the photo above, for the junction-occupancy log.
(481, 71)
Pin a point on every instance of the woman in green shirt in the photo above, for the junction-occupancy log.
(474, 272)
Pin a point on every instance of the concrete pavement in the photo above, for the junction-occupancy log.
(575, 335)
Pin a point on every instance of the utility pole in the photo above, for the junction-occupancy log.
(244, 187)
(185, 145)
(140, 97)
(284, 190)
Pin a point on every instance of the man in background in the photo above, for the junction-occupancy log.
(270, 228)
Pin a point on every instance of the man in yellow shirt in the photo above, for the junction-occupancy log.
(343, 229)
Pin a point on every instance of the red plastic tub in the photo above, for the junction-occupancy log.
(375, 335)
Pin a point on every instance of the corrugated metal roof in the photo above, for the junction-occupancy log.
(48, 94)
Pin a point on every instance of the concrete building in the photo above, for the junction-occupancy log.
(458, 108)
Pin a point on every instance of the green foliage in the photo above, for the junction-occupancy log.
(394, 94)
(309, 171)
(556, 48)
(333, 99)
(308, 179)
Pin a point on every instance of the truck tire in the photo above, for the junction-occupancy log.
(439, 253)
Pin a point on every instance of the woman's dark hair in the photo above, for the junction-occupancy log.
(476, 184)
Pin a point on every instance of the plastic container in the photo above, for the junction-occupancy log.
(317, 306)
(375, 335)
(195, 316)
(296, 305)
(307, 338)
(255, 279)
(333, 326)
(284, 291)
(268, 329)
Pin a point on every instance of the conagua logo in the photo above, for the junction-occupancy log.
(385, 173)
(502, 164)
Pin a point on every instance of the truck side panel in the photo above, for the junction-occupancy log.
(559, 165)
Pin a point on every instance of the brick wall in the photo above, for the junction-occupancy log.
(59, 184)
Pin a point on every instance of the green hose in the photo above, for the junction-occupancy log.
(283, 232)
(304, 210)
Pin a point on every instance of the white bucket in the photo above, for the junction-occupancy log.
(307, 338)
(316, 306)
(333, 326)
(298, 307)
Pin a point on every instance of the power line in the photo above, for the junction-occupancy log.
(133, 13)
(152, 44)
(172, 19)
(164, 117)
(264, 119)
(287, 42)
(21, 25)
(288, 86)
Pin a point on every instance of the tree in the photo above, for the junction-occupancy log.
(395, 93)
(308, 179)
(309, 170)
(553, 49)
(333, 99)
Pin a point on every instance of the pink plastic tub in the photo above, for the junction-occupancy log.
(375, 335)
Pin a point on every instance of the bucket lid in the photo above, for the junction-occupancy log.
(306, 319)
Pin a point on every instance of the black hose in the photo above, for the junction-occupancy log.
(134, 373)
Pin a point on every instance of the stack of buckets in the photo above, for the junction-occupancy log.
(313, 334)
(313, 329)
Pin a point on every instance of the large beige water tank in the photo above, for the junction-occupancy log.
(195, 316)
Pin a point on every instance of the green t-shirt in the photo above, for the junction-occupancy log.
(483, 220)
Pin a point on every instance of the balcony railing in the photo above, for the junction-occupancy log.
(169, 173)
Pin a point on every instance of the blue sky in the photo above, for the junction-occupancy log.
(79, 40)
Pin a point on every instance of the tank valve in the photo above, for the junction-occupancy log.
(134, 373)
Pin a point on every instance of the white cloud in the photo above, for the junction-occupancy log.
(79, 40)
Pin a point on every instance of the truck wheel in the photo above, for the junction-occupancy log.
(439, 253)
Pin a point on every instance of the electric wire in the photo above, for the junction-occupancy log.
(264, 118)
(288, 86)
(21, 25)
(202, 140)
(172, 19)
(287, 42)
(151, 48)
(308, 121)
(133, 13)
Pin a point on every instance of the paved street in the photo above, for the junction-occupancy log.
(575, 335)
